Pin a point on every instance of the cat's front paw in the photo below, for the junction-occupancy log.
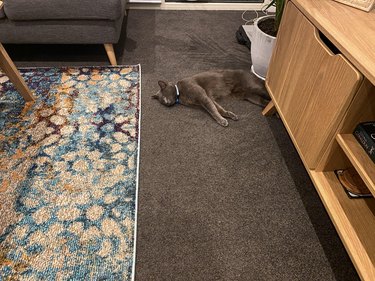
(232, 116)
(223, 122)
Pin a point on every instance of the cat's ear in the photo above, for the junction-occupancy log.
(162, 84)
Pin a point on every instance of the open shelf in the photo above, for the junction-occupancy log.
(354, 220)
(359, 158)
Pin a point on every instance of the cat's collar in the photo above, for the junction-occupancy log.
(177, 94)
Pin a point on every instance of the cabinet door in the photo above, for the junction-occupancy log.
(310, 85)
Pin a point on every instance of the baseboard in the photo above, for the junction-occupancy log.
(197, 6)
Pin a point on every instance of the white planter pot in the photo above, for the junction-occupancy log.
(261, 49)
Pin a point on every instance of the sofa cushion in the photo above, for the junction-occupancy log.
(63, 9)
(60, 32)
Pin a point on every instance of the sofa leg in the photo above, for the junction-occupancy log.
(111, 54)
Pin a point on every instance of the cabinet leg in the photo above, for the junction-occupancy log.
(111, 54)
(270, 109)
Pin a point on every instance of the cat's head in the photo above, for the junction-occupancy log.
(167, 93)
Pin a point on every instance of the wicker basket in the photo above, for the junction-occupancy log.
(365, 5)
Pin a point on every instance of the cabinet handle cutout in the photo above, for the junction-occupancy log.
(328, 43)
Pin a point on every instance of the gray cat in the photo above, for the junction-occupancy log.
(204, 89)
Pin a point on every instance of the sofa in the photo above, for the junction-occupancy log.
(63, 22)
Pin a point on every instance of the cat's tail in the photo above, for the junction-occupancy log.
(258, 100)
(258, 96)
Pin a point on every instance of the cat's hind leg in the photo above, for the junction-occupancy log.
(225, 113)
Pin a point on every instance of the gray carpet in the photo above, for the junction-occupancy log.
(214, 203)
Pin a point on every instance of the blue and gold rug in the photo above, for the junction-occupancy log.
(68, 174)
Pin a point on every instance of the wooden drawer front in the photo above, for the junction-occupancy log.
(310, 86)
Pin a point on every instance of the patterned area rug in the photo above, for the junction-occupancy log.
(68, 174)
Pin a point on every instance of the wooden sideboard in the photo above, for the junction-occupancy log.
(321, 80)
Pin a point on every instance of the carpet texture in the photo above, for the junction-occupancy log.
(68, 174)
(215, 203)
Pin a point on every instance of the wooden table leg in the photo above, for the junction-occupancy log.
(7, 65)
(270, 109)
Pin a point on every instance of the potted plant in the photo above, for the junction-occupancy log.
(264, 37)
